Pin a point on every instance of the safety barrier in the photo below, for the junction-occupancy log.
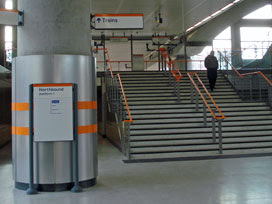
(195, 91)
(253, 86)
(118, 103)
(170, 69)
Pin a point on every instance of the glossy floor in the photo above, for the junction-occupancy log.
(228, 181)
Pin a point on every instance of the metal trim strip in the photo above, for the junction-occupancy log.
(82, 105)
(85, 129)
(51, 85)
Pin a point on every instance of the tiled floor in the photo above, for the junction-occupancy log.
(229, 181)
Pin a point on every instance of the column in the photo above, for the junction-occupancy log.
(54, 47)
(14, 32)
(236, 45)
(2, 38)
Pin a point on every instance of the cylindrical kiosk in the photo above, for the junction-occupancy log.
(54, 47)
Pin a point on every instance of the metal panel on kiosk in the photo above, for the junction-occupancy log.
(52, 160)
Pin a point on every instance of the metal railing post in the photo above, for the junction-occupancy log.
(220, 139)
(178, 84)
(269, 95)
(118, 103)
(204, 114)
(197, 105)
(260, 87)
(192, 94)
(213, 130)
(250, 89)
(76, 188)
(175, 86)
(128, 141)
(31, 190)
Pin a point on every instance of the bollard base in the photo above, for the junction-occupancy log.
(76, 189)
(55, 187)
(31, 191)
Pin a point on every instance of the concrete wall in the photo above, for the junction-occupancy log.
(55, 27)
(196, 10)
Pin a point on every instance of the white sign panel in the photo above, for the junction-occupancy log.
(53, 112)
(8, 17)
(118, 21)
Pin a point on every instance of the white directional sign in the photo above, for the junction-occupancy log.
(118, 21)
(8, 17)
(53, 112)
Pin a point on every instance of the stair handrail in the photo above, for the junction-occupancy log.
(171, 63)
(114, 88)
(205, 104)
(120, 81)
(108, 61)
(203, 98)
(246, 74)
(173, 73)
(125, 99)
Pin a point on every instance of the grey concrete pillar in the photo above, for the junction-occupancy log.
(236, 45)
(54, 47)
(14, 32)
(2, 37)
(54, 27)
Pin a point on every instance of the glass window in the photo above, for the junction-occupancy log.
(255, 41)
(262, 13)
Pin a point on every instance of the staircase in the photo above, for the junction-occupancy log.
(164, 129)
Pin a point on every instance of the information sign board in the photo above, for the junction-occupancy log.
(53, 112)
(118, 21)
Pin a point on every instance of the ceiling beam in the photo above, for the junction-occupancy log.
(143, 38)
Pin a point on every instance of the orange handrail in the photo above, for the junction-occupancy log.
(203, 98)
(146, 61)
(246, 74)
(176, 73)
(120, 81)
(107, 59)
(125, 99)
(9, 10)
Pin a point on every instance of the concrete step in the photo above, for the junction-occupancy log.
(192, 110)
(164, 80)
(151, 88)
(152, 98)
(203, 135)
(129, 95)
(174, 101)
(163, 84)
(199, 120)
(197, 125)
(181, 142)
(170, 90)
(198, 115)
(199, 148)
(199, 130)
(199, 155)
(192, 106)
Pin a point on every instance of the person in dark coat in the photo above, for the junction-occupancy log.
(211, 65)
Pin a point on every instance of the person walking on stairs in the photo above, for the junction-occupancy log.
(211, 65)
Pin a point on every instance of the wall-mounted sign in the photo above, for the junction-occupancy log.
(53, 112)
(118, 21)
